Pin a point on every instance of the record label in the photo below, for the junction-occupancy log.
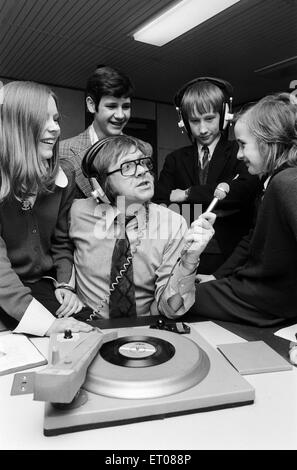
(137, 349)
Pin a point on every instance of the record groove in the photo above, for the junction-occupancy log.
(137, 351)
(188, 366)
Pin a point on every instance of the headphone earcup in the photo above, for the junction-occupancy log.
(227, 116)
(180, 122)
(98, 192)
(90, 172)
(223, 122)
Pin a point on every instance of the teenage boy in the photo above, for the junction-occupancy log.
(108, 99)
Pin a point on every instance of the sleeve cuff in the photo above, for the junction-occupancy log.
(36, 320)
(182, 285)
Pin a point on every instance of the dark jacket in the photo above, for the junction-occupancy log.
(263, 270)
(236, 212)
(34, 243)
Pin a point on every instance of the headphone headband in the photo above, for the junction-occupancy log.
(90, 155)
(225, 86)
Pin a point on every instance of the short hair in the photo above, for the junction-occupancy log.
(202, 97)
(109, 154)
(273, 122)
(106, 81)
(23, 115)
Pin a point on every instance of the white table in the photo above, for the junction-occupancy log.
(269, 423)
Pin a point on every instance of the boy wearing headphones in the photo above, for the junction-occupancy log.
(191, 174)
(108, 99)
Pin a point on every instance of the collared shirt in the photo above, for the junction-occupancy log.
(93, 135)
(32, 243)
(265, 184)
(211, 149)
(156, 238)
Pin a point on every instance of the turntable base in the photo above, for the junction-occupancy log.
(125, 383)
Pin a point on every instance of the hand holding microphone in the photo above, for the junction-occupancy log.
(201, 230)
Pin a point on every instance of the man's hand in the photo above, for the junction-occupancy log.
(70, 303)
(178, 195)
(197, 237)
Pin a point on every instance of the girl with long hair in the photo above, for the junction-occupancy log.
(36, 258)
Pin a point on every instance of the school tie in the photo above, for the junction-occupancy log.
(204, 164)
(122, 290)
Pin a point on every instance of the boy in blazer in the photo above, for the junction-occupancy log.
(108, 99)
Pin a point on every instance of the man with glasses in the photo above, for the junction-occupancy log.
(128, 251)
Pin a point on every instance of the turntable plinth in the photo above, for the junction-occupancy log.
(69, 359)
(137, 378)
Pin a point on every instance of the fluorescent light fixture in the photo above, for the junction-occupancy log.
(179, 19)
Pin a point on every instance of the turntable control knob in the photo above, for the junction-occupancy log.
(67, 334)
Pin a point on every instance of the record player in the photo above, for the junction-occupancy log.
(134, 374)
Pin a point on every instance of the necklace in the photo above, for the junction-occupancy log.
(140, 234)
(26, 205)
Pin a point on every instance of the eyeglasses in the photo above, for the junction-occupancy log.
(130, 168)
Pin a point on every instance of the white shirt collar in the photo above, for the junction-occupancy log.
(109, 213)
(93, 135)
(61, 179)
(211, 147)
(265, 184)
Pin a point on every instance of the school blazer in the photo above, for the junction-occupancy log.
(73, 150)
(236, 211)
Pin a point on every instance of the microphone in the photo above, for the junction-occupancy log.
(220, 193)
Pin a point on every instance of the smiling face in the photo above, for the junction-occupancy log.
(248, 148)
(136, 189)
(112, 115)
(50, 132)
(205, 128)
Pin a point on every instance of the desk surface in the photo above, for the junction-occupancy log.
(270, 423)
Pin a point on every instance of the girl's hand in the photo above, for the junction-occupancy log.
(70, 303)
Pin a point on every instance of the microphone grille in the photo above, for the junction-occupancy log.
(221, 191)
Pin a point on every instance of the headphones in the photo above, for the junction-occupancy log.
(91, 172)
(226, 111)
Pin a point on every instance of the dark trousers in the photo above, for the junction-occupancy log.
(44, 292)
(216, 300)
(210, 262)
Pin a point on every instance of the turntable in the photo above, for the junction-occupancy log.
(144, 374)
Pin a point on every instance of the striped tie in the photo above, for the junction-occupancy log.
(204, 165)
(122, 297)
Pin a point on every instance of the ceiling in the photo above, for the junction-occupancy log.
(60, 42)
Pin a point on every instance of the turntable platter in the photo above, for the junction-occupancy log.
(150, 364)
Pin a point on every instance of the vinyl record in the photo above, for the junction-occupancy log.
(137, 351)
(146, 364)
